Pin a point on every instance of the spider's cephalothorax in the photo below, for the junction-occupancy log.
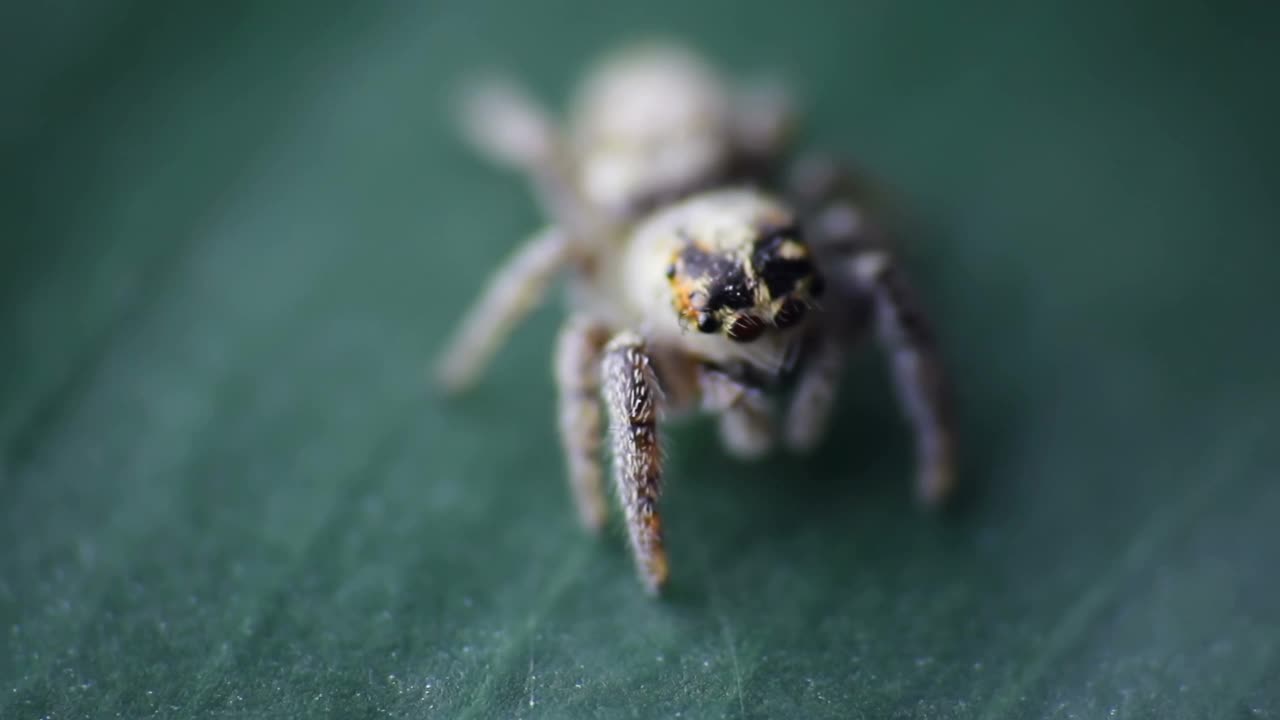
(725, 275)
(692, 289)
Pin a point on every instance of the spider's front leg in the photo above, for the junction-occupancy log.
(515, 289)
(828, 194)
(916, 365)
(577, 369)
(633, 399)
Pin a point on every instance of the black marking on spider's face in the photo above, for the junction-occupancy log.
(781, 260)
(727, 284)
(743, 290)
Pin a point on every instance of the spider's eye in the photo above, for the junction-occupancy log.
(746, 328)
(708, 323)
(791, 312)
(782, 261)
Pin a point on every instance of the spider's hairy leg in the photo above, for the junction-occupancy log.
(577, 371)
(633, 399)
(916, 365)
(764, 119)
(833, 197)
(834, 201)
(809, 408)
(814, 180)
(512, 292)
(507, 126)
(745, 415)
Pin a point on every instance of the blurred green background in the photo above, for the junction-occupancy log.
(234, 233)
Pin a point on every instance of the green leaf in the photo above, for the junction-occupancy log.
(237, 233)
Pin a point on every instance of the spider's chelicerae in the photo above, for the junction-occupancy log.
(697, 283)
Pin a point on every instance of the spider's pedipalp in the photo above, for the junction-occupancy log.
(809, 409)
(745, 414)
(633, 398)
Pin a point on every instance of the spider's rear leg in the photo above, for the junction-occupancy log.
(512, 130)
(917, 370)
(763, 122)
(515, 289)
(506, 125)
(633, 399)
(577, 369)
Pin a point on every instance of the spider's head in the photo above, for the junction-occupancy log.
(744, 276)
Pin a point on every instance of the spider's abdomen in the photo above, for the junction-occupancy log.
(649, 122)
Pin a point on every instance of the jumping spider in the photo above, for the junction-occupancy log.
(691, 287)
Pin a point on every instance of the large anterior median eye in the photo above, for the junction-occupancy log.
(746, 328)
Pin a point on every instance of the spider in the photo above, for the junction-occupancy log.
(694, 284)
